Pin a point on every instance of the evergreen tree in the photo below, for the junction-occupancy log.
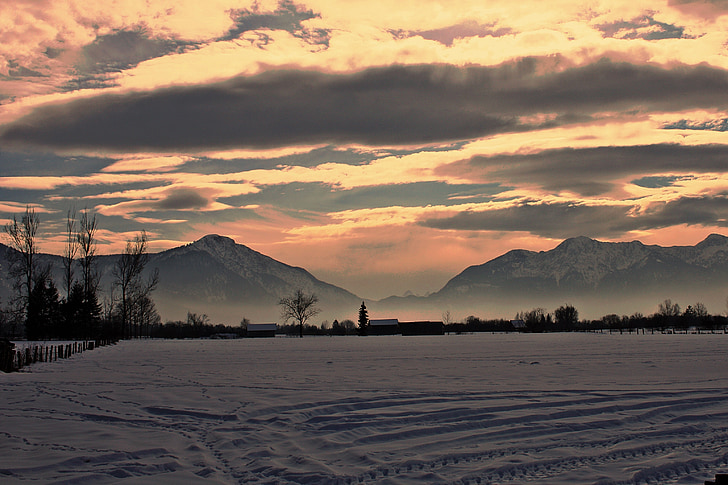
(363, 319)
(72, 312)
(44, 311)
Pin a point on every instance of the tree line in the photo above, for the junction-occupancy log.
(668, 317)
(39, 311)
(300, 307)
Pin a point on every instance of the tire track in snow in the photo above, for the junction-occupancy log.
(385, 431)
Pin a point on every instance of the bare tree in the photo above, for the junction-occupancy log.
(300, 307)
(668, 309)
(197, 320)
(447, 318)
(86, 238)
(567, 316)
(70, 251)
(22, 236)
(128, 278)
(700, 310)
(90, 311)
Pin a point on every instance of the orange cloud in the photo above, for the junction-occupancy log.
(154, 164)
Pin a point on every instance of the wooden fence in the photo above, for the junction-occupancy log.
(12, 359)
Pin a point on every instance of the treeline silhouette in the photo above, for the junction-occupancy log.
(37, 310)
(199, 326)
(533, 321)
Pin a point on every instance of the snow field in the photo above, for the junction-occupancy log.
(500, 409)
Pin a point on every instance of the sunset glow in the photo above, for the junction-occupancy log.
(384, 146)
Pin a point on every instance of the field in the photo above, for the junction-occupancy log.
(501, 409)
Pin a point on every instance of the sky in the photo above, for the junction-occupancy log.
(384, 146)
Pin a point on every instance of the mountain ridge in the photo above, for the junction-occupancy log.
(228, 281)
(599, 277)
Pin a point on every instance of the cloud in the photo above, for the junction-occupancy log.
(547, 220)
(182, 199)
(468, 28)
(123, 49)
(645, 27)
(708, 9)
(47, 164)
(590, 171)
(323, 198)
(147, 164)
(391, 105)
(116, 52)
(288, 16)
(712, 125)
(564, 220)
(16, 70)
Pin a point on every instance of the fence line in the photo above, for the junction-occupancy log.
(12, 359)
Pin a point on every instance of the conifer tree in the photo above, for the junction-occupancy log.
(363, 319)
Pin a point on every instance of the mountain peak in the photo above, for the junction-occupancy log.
(714, 240)
(577, 243)
(214, 243)
(214, 239)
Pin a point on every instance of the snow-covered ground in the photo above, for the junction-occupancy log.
(500, 409)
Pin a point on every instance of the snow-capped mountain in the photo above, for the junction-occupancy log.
(215, 274)
(581, 265)
(611, 276)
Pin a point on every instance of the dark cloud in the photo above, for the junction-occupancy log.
(706, 211)
(564, 220)
(115, 52)
(712, 125)
(589, 171)
(469, 28)
(15, 70)
(17, 164)
(644, 27)
(52, 52)
(180, 199)
(656, 182)
(288, 17)
(124, 49)
(389, 105)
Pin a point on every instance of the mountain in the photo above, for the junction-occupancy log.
(217, 277)
(598, 277)
(583, 265)
(229, 281)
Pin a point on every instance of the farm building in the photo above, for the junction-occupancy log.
(387, 326)
(262, 330)
(422, 328)
(518, 325)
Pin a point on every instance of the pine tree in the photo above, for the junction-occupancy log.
(363, 319)
(44, 311)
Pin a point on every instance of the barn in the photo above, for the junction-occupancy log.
(385, 326)
(518, 325)
(422, 328)
(256, 330)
